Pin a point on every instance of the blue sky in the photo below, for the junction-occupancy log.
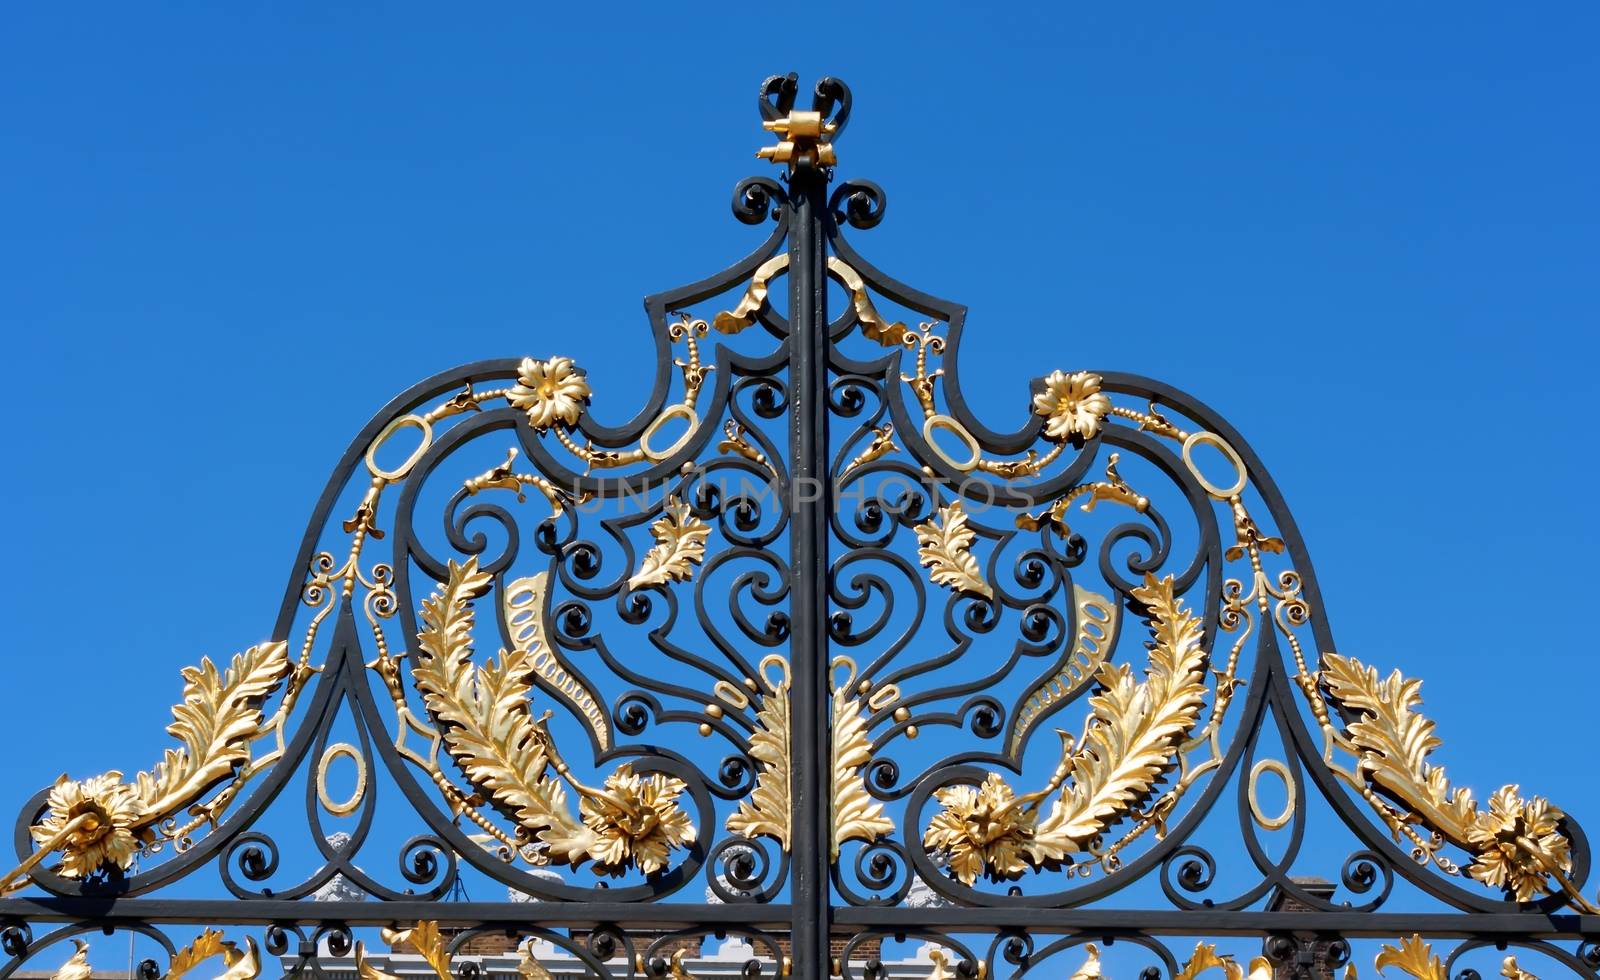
(1368, 238)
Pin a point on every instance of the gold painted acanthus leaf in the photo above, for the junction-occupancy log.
(238, 964)
(855, 815)
(485, 719)
(1134, 728)
(428, 941)
(529, 967)
(77, 965)
(1395, 741)
(1517, 844)
(219, 716)
(945, 547)
(364, 968)
(1412, 956)
(768, 810)
(680, 545)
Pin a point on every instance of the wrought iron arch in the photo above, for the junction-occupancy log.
(894, 568)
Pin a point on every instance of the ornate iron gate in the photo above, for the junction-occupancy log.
(855, 750)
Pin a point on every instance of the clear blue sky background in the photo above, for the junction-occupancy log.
(1369, 237)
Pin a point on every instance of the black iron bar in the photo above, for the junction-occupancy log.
(1169, 922)
(808, 560)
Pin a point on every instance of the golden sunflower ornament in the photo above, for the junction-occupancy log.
(97, 817)
(1518, 843)
(550, 391)
(1072, 405)
(636, 818)
(981, 828)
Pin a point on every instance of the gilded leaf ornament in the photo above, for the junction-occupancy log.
(855, 815)
(219, 715)
(1131, 740)
(768, 810)
(1413, 957)
(528, 966)
(1091, 968)
(104, 822)
(489, 729)
(635, 819)
(1135, 727)
(484, 717)
(77, 965)
(943, 969)
(238, 964)
(424, 937)
(428, 941)
(1204, 959)
(1511, 971)
(945, 548)
(675, 968)
(364, 968)
(1516, 845)
(680, 545)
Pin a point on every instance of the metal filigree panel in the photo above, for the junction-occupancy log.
(807, 655)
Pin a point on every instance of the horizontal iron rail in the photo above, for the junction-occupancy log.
(1198, 922)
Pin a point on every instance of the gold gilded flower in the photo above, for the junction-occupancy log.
(1518, 843)
(982, 829)
(100, 812)
(636, 818)
(1072, 404)
(549, 391)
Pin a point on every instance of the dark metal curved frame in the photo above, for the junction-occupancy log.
(812, 564)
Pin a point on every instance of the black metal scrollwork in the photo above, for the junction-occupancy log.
(806, 634)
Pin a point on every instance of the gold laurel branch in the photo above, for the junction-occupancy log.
(1393, 742)
(945, 547)
(219, 717)
(1134, 735)
(1516, 844)
(768, 810)
(1135, 728)
(485, 719)
(103, 821)
(680, 545)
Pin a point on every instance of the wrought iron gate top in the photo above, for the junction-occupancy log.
(859, 747)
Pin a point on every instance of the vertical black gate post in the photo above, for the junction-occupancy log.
(808, 542)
